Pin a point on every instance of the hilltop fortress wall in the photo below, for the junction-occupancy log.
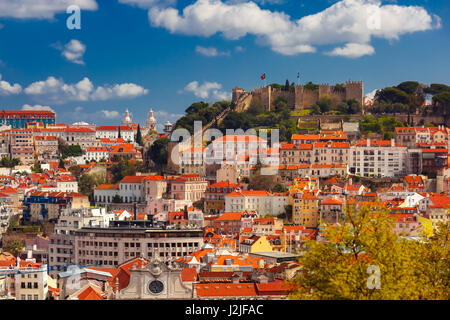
(299, 98)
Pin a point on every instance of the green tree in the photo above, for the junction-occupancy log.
(324, 103)
(279, 187)
(67, 151)
(311, 86)
(121, 169)
(139, 136)
(158, 152)
(75, 170)
(392, 95)
(9, 163)
(256, 107)
(442, 102)
(37, 168)
(88, 182)
(14, 247)
(436, 88)
(341, 267)
(117, 199)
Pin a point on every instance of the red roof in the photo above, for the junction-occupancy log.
(133, 179)
(331, 202)
(113, 128)
(223, 184)
(226, 289)
(89, 294)
(188, 274)
(228, 216)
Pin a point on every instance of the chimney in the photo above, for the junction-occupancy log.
(392, 143)
(368, 142)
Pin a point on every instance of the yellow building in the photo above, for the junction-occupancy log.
(439, 136)
(305, 210)
(255, 244)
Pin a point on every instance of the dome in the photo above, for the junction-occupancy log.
(126, 121)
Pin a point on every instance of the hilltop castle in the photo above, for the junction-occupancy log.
(298, 96)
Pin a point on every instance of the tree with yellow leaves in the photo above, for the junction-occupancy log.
(363, 258)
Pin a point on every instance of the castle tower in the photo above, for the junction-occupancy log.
(151, 121)
(126, 121)
(355, 90)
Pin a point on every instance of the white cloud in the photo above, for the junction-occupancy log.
(57, 91)
(353, 50)
(110, 114)
(74, 51)
(146, 4)
(41, 9)
(210, 51)
(207, 90)
(7, 88)
(125, 90)
(345, 22)
(27, 107)
(239, 49)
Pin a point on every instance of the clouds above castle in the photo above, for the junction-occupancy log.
(349, 24)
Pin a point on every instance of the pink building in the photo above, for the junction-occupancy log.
(188, 187)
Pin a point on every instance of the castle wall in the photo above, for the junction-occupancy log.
(299, 98)
(310, 97)
(288, 95)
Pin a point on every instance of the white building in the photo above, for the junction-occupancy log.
(263, 202)
(24, 279)
(96, 154)
(377, 158)
(61, 247)
(112, 132)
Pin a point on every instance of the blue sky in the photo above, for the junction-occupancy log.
(141, 54)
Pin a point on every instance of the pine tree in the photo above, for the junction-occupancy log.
(139, 136)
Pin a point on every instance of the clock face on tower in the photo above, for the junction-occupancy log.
(156, 286)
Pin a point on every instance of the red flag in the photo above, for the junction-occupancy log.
(263, 76)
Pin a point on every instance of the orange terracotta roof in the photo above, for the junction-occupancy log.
(226, 289)
(331, 202)
(229, 216)
(133, 179)
(89, 294)
(188, 274)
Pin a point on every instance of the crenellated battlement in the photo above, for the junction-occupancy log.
(299, 98)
